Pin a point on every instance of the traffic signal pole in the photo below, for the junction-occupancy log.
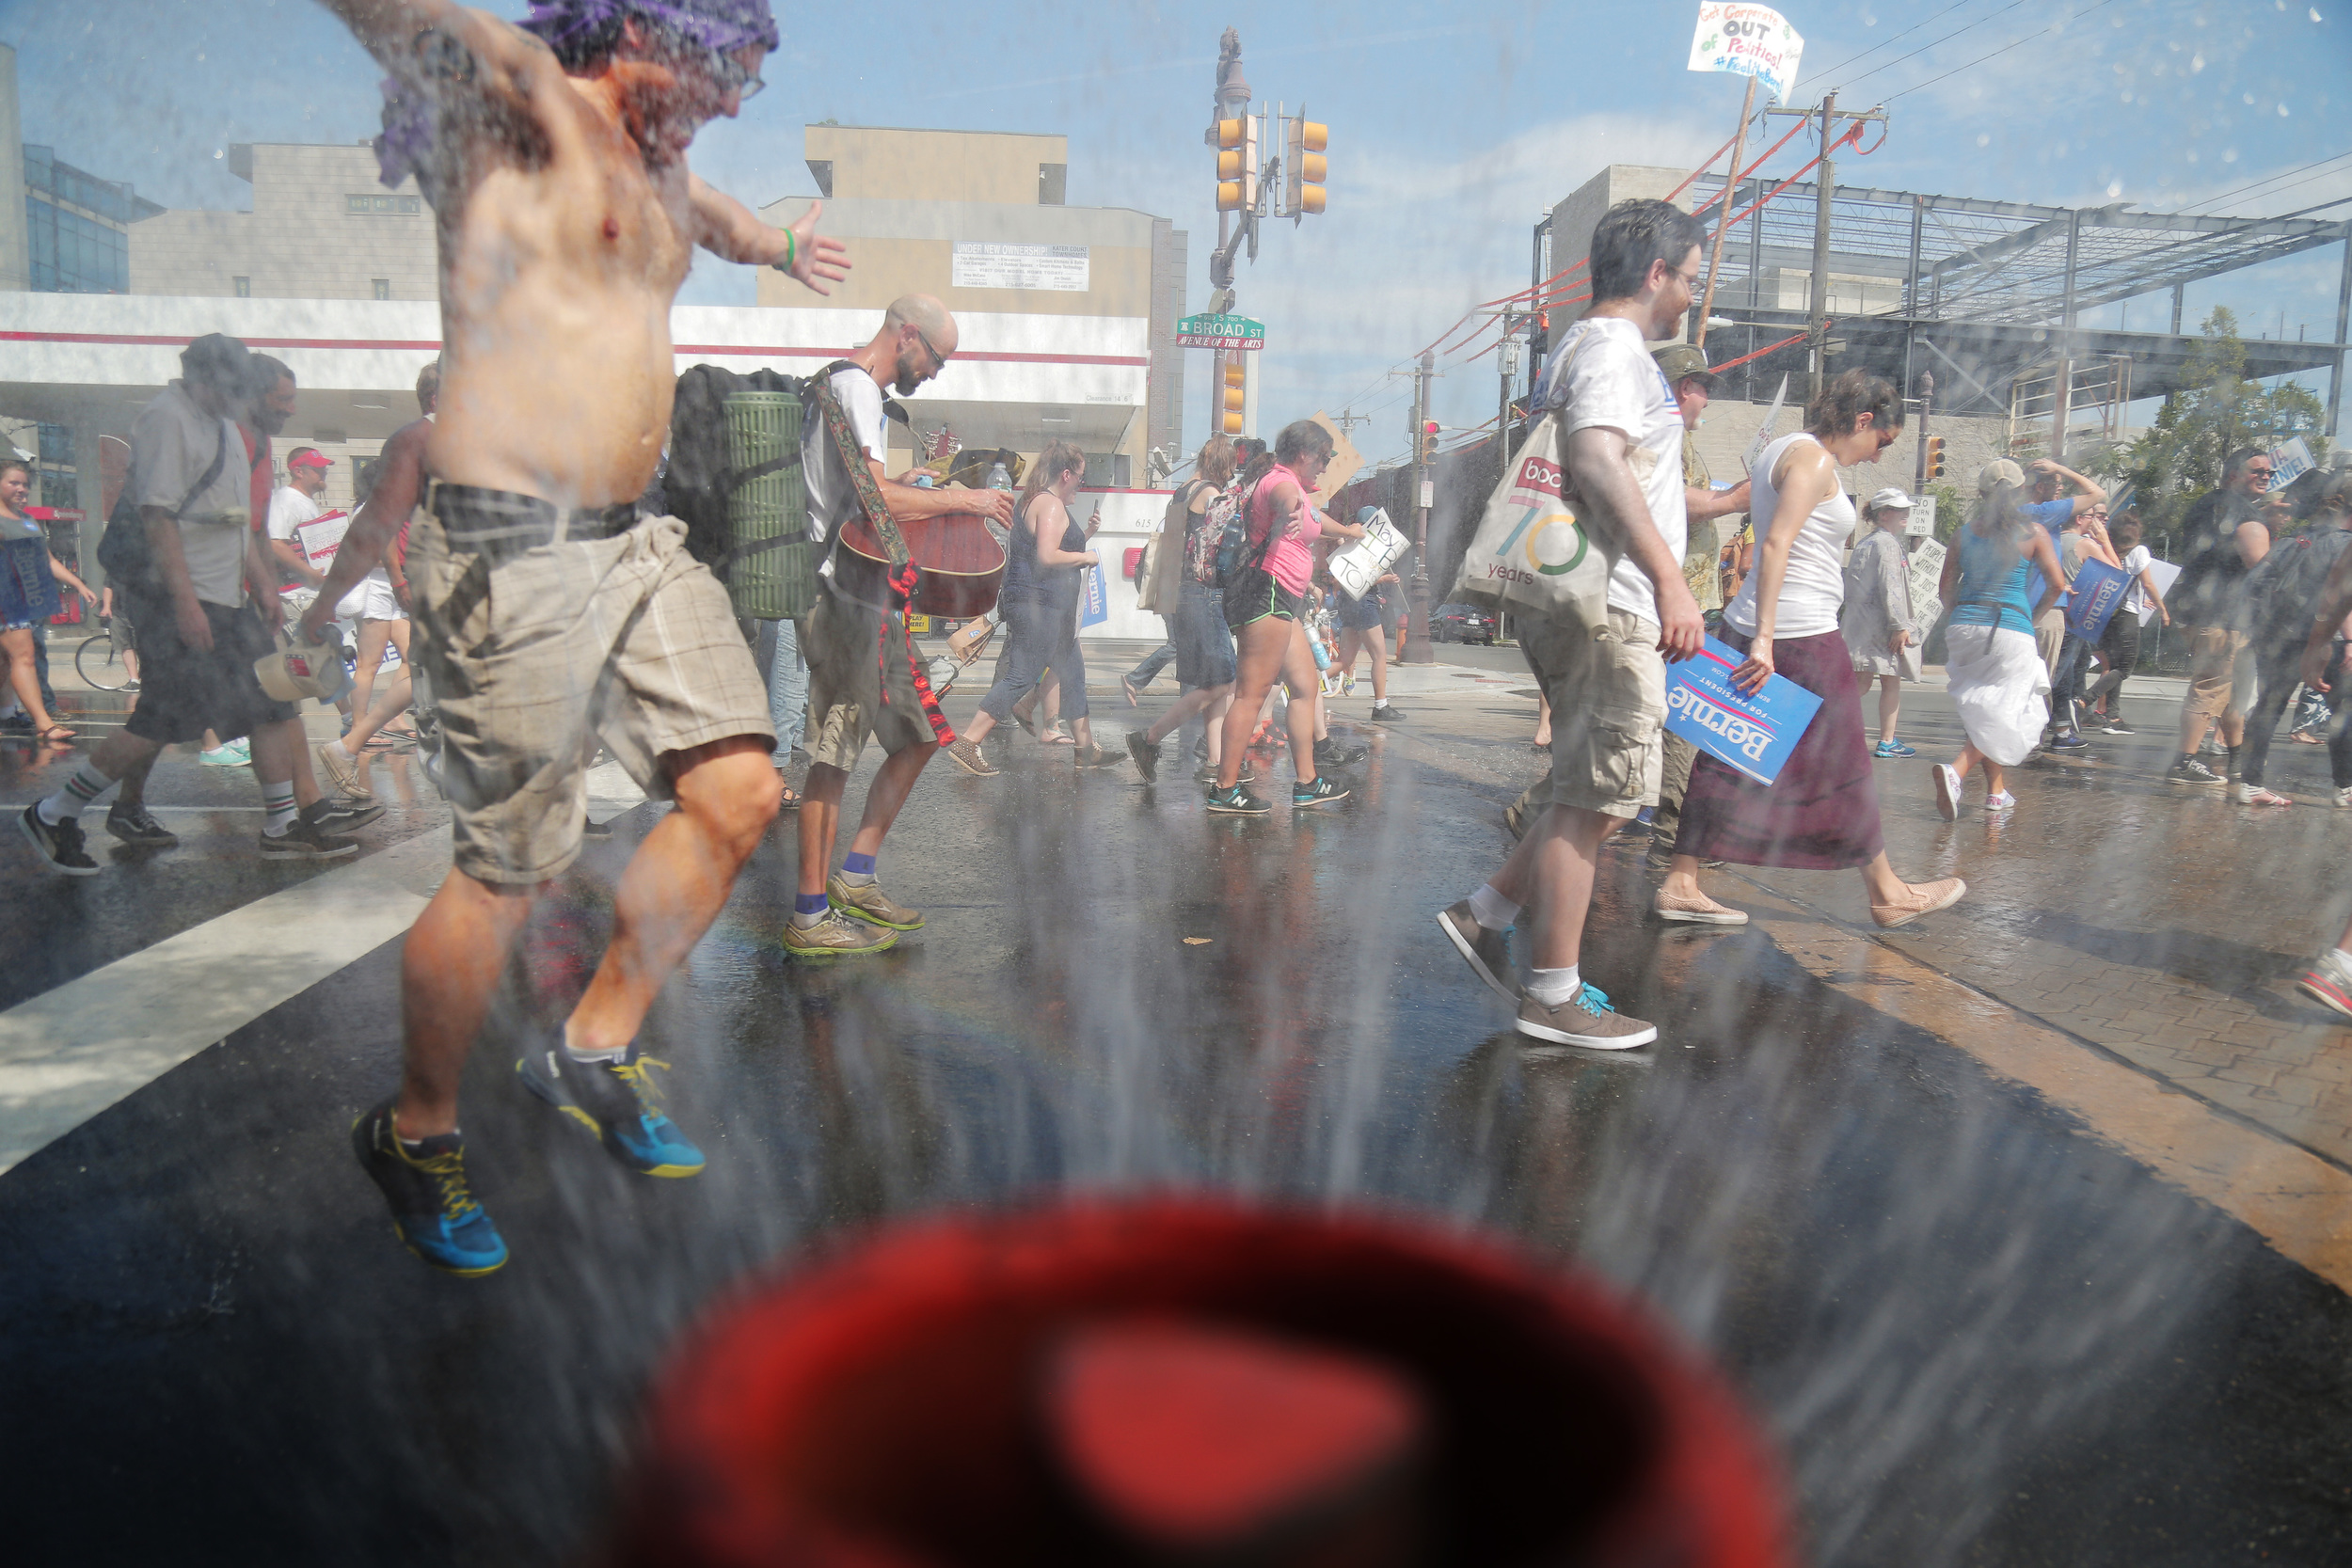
(1417, 648)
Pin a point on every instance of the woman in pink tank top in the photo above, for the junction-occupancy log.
(1266, 605)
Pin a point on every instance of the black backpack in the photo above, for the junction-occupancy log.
(696, 482)
(123, 549)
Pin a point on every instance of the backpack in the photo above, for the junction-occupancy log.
(2285, 586)
(1234, 554)
(1204, 538)
(767, 571)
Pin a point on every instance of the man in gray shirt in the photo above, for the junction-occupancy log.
(198, 633)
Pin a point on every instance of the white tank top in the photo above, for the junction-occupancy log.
(1814, 588)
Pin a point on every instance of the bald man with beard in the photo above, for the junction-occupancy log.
(861, 673)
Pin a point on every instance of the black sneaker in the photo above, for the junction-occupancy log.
(1320, 792)
(615, 1100)
(2193, 774)
(60, 843)
(331, 815)
(1385, 713)
(1236, 801)
(135, 825)
(307, 841)
(1147, 755)
(433, 1208)
(2116, 726)
(1330, 754)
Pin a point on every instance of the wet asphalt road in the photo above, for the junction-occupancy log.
(1979, 1337)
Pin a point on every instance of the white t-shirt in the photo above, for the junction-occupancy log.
(1813, 589)
(831, 496)
(2136, 561)
(172, 443)
(1601, 376)
(289, 509)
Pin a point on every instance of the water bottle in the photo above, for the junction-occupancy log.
(1323, 655)
(999, 477)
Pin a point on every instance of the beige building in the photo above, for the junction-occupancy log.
(1071, 310)
(323, 226)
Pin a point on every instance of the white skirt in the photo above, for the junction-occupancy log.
(2001, 688)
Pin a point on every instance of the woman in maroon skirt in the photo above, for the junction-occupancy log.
(1822, 812)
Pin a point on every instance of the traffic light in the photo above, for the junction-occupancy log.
(1237, 164)
(1304, 166)
(1429, 441)
(1935, 457)
(1235, 393)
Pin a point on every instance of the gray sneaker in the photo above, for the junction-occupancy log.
(1487, 953)
(867, 901)
(1585, 1018)
(835, 936)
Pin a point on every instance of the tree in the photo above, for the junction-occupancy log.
(2215, 411)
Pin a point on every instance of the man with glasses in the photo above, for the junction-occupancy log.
(861, 669)
(550, 617)
(2226, 540)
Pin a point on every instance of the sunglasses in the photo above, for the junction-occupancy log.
(939, 360)
(733, 76)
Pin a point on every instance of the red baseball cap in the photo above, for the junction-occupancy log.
(310, 457)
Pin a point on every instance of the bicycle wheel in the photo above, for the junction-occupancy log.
(96, 663)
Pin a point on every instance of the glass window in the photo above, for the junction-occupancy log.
(383, 287)
(57, 444)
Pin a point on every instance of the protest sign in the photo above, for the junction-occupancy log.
(1097, 608)
(2094, 595)
(1359, 565)
(321, 537)
(1927, 575)
(2163, 574)
(1751, 41)
(1752, 736)
(2289, 462)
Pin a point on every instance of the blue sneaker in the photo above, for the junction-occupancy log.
(433, 1208)
(615, 1100)
(1890, 746)
(2069, 742)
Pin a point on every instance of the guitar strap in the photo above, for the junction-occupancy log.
(903, 571)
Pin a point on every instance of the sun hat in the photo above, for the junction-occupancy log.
(1889, 499)
(293, 671)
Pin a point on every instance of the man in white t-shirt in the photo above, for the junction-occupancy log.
(861, 670)
(1606, 683)
(293, 504)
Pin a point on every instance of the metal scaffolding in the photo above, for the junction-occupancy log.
(1996, 290)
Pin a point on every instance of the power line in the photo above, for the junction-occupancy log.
(2055, 26)
(2274, 179)
(1925, 47)
(1852, 60)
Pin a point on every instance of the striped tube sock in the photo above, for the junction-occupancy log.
(86, 787)
(277, 801)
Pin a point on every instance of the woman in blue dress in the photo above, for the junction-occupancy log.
(29, 575)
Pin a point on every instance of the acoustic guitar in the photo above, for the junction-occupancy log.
(962, 565)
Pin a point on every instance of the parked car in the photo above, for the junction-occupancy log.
(1462, 622)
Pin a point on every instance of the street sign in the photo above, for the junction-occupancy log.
(1216, 331)
(1922, 524)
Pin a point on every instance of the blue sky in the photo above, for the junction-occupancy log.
(1449, 136)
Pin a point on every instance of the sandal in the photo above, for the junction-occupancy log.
(1058, 734)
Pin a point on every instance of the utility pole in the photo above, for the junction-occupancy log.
(1416, 649)
(1825, 192)
(1927, 400)
(1507, 360)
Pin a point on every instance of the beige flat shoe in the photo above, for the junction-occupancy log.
(1701, 910)
(1918, 899)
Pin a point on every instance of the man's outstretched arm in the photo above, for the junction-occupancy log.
(734, 231)
(496, 58)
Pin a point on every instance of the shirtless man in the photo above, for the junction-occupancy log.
(549, 615)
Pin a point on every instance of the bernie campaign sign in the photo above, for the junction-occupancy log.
(1752, 736)
(2096, 593)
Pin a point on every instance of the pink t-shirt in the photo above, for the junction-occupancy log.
(1289, 559)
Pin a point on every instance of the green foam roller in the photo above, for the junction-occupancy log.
(770, 575)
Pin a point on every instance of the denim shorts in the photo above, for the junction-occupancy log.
(1204, 643)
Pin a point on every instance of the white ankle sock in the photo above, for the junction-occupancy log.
(1552, 986)
(1491, 909)
(577, 1054)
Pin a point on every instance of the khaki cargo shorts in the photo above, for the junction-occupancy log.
(848, 677)
(536, 656)
(2214, 655)
(1607, 687)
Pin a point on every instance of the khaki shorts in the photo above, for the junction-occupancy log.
(537, 655)
(1607, 687)
(2214, 655)
(847, 678)
(2049, 638)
